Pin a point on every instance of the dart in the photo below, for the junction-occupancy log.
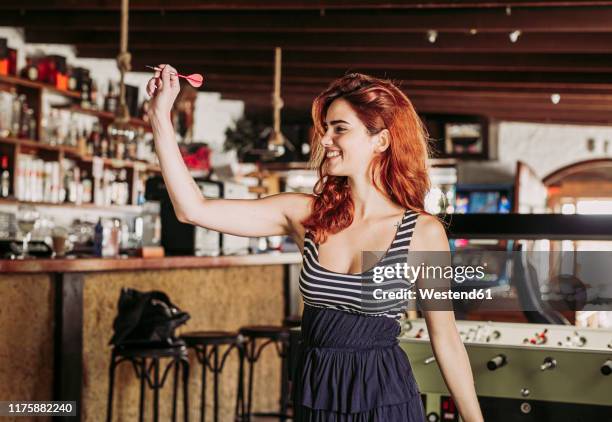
(195, 79)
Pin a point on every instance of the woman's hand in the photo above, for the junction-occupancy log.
(163, 89)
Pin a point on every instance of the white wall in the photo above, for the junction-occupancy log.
(544, 147)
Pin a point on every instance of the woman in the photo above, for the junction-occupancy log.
(371, 150)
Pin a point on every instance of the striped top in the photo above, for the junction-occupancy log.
(358, 293)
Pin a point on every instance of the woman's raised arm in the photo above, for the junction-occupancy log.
(273, 215)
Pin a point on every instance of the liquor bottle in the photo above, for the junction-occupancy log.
(24, 123)
(144, 110)
(5, 178)
(111, 99)
(31, 124)
(87, 188)
(119, 149)
(18, 101)
(30, 71)
(94, 140)
(104, 147)
(125, 188)
(73, 82)
(93, 95)
(85, 95)
(6, 109)
(82, 143)
(98, 238)
(131, 148)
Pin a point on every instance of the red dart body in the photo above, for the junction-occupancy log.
(195, 79)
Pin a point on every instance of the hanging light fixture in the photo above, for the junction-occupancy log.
(276, 140)
(514, 35)
(432, 36)
(277, 143)
(120, 131)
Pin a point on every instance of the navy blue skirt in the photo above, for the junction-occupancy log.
(351, 369)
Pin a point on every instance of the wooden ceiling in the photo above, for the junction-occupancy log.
(564, 47)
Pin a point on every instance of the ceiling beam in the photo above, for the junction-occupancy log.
(301, 106)
(291, 5)
(193, 42)
(479, 85)
(588, 63)
(575, 19)
(584, 101)
(329, 74)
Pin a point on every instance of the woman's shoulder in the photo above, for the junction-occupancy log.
(297, 206)
(297, 201)
(429, 233)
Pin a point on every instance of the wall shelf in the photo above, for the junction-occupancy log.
(102, 115)
(26, 83)
(120, 208)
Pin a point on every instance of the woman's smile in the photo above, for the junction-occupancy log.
(333, 154)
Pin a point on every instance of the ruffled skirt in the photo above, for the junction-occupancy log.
(351, 369)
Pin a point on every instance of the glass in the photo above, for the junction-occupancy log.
(60, 241)
(27, 215)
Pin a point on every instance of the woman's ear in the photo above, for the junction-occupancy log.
(384, 140)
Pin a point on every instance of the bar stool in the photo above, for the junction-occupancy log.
(292, 321)
(146, 364)
(206, 345)
(279, 337)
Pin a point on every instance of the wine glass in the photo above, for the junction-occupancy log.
(27, 215)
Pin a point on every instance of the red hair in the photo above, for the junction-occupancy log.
(401, 168)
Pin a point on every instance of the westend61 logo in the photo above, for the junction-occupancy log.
(411, 273)
(438, 274)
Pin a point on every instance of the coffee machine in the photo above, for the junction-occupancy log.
(179, 238)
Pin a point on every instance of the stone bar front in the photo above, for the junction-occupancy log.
(56, 321)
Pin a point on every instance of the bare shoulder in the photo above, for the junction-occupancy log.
(296, 204)
(429, 234)
(296, 207)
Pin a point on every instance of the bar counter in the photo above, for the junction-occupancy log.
(56, 319)
(68, 265)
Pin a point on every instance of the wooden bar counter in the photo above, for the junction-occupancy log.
(56, 320)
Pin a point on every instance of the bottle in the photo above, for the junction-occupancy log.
(98, 239)
(30, 71)
(85, 96)
(93, 95)
(24, 121)
(132, 146)
(5, 177)
(104, 147)
(87, 188)
(119, 149)
(6, 108)
(94, 140)
(17, 106)
(31, 124)
(124, 188)
(110, 101)
(82, 143)
(144, 110)
(140, 189)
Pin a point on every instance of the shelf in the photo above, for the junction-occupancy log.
(39, 145)
(104, 115)
(72, 151)
(13, 80)
(122, 208)
(113, 162)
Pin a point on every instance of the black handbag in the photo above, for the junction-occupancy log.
(146, 319)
